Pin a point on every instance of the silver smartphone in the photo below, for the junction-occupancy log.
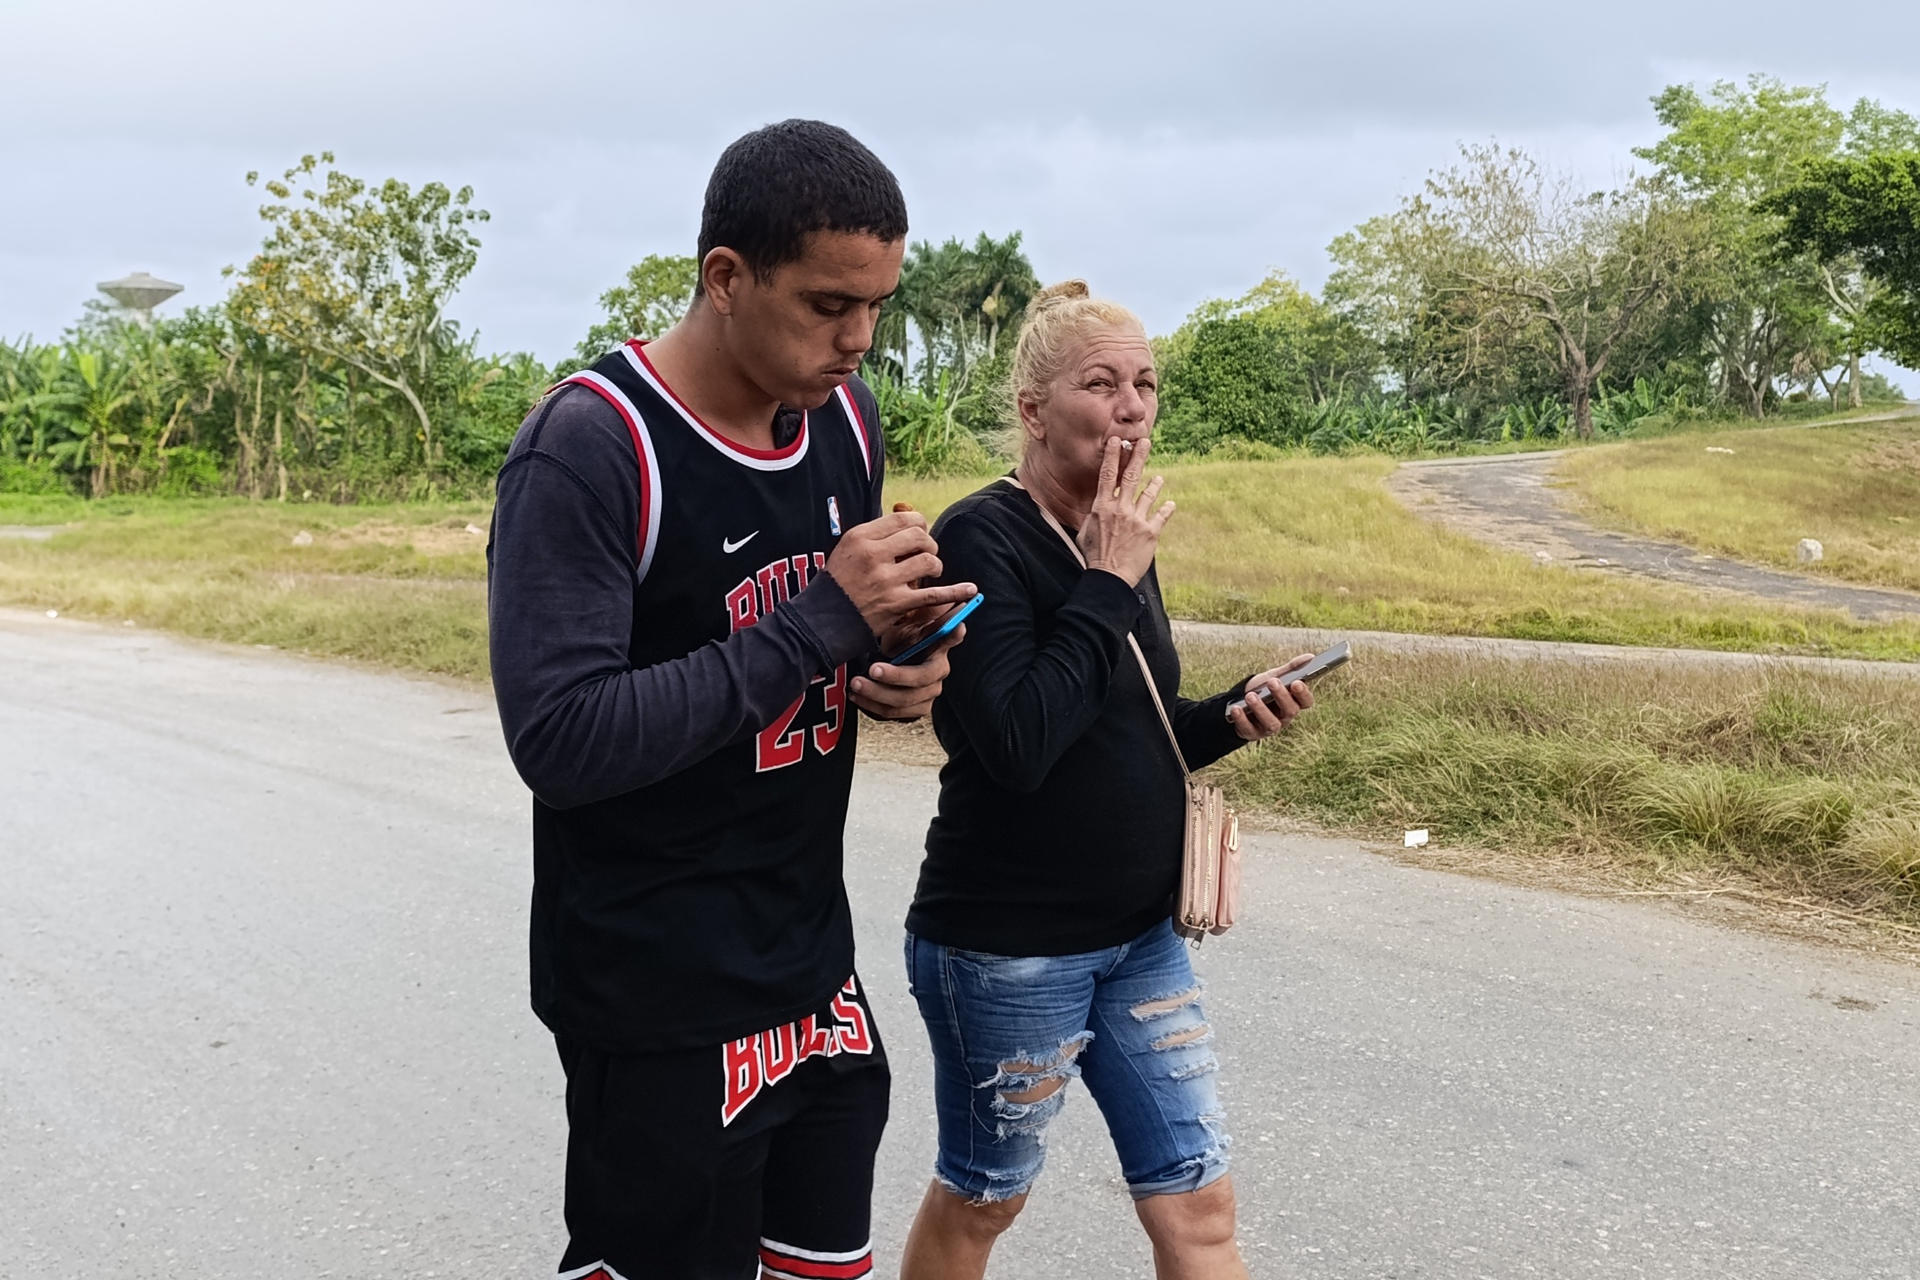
(1321, 664)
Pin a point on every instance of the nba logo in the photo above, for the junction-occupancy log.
(833, 515)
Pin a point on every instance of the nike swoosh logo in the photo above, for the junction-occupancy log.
(729, 546)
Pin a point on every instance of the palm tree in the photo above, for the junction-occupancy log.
(961, 302)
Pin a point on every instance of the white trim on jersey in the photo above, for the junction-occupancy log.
(579, 1272)
(808, 1255)
(859, 425)
(755, 458)
(643, 447)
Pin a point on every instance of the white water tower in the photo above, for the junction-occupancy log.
(139, 293)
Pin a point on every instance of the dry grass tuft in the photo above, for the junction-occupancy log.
(1807, 784)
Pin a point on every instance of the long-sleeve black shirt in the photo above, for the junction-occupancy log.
(1061, 804)
(670, 658)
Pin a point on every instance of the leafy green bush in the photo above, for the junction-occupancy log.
(1237, 449)
(34, 478)
(1230, 380)
(191, 473)
(1402, 425)
(923, 438)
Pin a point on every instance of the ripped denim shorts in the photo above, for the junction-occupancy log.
(1010, 1032)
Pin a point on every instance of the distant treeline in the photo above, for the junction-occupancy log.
(1771, 243)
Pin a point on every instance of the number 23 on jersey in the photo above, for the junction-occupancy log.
(784, 743)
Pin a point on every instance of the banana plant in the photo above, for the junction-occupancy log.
(92, 397)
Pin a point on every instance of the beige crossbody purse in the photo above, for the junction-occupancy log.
(1209, 898)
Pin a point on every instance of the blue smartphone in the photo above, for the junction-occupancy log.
(919, 649)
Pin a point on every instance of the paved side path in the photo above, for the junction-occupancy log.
(1291, 640)
(262, 970)
(1510, 499)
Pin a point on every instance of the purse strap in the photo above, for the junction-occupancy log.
(1146, 672)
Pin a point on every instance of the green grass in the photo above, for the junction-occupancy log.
(28, 508)
(401, 585)
(1855, 488)
(1318, 542)
(1807, 783)
(1313, 542)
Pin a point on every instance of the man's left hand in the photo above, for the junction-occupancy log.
(904, 693)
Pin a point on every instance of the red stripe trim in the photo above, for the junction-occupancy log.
(764, 455)
(639, 460)
(816, 1270)
(860, 426)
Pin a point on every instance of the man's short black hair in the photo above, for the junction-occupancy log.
(778, 185)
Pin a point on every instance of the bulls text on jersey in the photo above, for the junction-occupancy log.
(761, 1061)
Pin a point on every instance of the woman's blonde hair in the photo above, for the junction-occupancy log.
(1058, 319)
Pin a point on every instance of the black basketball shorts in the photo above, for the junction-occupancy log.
(713, 1163)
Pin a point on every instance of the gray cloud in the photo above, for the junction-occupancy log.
(1167, 152)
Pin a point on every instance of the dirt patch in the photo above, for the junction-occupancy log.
(911, 743)
(447, 538)
(1849, 1004)
(295, 581)
(1733, 901)
(1893, 455)
(1728, 899)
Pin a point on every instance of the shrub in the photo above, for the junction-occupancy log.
(35, 478)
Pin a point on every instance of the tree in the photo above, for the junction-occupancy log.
(948, 332)
(1729, 151)
(1379, 285)
(1324, 351)
(1230, 378)
(1864, 211)
(656, 293)
(360, 275)
(30, 422)
(96, 391)
(1513, 254)
(962, 304)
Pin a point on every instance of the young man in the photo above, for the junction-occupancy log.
(689, 579)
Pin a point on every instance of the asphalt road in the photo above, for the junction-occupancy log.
(1513, 500)
(262, 976)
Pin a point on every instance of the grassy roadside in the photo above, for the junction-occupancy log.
(1740, 780)
(1313, 542)
(1318, 542)
(400, 585)
(1806, 785)
(1753, 494)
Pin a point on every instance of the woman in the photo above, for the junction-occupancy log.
(1040, 945)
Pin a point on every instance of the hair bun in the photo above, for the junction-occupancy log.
(1055, 294)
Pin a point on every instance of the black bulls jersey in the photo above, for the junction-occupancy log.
(709, 905)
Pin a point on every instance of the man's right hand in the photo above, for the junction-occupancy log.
(880, 565)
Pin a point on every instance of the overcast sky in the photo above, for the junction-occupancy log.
(1168, 152)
